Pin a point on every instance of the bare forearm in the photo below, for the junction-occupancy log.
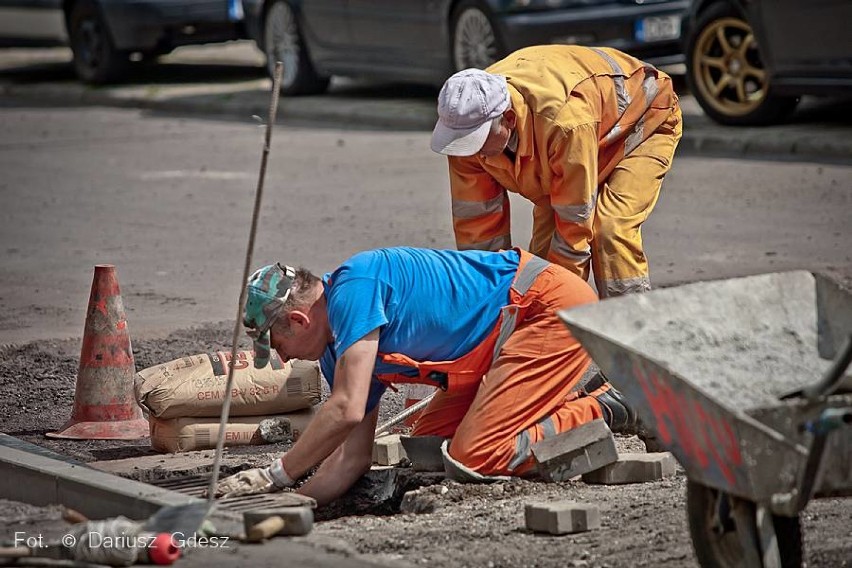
(346, 465)
(328, 430)
(333, 478)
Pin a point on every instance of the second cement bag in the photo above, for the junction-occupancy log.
(195, 386)
(186, 434)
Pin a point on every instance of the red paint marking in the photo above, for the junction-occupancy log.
(703, 435)
(106, 351)
(98, 303)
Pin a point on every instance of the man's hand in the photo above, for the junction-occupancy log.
(257, 480)
(248, 482)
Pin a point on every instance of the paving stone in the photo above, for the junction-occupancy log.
(562, 517)
(388, 450)
(575, 452)
(634, 468)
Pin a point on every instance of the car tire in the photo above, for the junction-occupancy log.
(474, 40)
(283, 41)
(726, 74)
(716, 538)
(96, 60)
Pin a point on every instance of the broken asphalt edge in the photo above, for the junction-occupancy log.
(704, 138)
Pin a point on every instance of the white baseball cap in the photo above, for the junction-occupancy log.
(467, 103)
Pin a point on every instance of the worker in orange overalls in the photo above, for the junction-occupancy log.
(480, 326)
(586, 134)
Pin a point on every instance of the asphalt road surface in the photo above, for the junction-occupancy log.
(168, 200)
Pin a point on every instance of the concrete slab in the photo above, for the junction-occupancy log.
(578, 451)
(634, 468)
(562, 517)
(36, 476)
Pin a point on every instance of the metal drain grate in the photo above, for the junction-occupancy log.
(196, 485)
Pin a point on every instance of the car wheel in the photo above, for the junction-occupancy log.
(475, 42)
(283, 42)
(96, 59)
(718, 539)
(725, 71)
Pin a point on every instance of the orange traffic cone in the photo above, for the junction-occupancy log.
(104, 407)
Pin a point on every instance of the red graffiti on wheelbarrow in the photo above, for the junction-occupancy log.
(700, 432)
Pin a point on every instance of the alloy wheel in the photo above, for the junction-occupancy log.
(282, 41)
(474, 40)
(727, 67)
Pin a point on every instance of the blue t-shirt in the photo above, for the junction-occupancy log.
(432, 305)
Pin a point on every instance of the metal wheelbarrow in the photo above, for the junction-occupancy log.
(727, 376)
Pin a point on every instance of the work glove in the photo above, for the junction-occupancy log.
(255, 480)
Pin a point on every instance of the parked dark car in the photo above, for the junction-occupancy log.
(749, 61)
(104, 34)
(424, 41)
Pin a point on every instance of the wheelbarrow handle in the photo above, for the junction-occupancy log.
(831, 379)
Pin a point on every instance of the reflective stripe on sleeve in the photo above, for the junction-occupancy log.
(474, 209)
(558, 245)
(576, 213)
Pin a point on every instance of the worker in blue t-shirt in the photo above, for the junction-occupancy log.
(481, 326)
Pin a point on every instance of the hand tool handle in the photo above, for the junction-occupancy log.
(266, 528)
(72, 516)
(15, 552)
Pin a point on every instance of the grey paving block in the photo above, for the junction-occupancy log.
(388, 450)
(562, 517)
(634, 468)
(575, 452)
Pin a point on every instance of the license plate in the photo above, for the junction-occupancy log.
(658, 28)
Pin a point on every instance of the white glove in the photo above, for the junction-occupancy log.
(256, 480)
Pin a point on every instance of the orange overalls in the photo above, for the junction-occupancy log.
(517, 387)
(597, 131)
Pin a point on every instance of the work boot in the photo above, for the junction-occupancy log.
(618, 414)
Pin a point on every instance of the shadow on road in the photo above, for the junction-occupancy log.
(140, 74)
(237, 86)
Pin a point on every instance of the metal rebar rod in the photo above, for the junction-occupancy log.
(226, 403)
(413, 409)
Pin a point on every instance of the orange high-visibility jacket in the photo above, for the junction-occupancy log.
(579, 111)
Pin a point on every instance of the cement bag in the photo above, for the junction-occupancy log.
(195, 386)
(185, 434)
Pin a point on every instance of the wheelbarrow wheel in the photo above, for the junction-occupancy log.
(718, 538)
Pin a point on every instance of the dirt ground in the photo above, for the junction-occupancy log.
(465, 525)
